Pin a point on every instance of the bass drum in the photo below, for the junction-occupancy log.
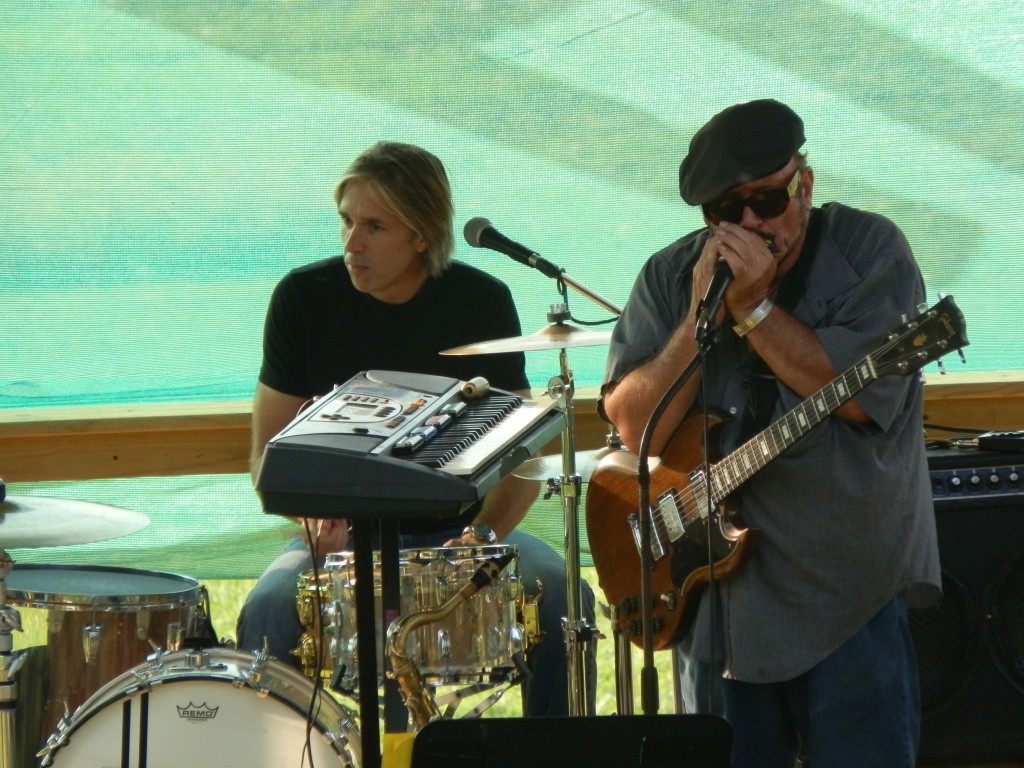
(207, 709)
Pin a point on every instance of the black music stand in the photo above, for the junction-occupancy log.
(625, 741)
(396, 717)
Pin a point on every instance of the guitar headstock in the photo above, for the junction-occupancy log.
(922, 340)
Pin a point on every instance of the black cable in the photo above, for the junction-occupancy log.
(702, 349)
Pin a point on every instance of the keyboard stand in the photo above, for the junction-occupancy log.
(396, 716)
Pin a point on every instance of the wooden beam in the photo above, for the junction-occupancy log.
(131, 441)
(213, 438)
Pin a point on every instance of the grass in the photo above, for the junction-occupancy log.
(226, 597)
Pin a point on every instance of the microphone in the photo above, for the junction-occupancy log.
(481, 234)
(708, 307)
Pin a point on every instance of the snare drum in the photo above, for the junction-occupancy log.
(471, 644)
(101, 621)
(207, 709)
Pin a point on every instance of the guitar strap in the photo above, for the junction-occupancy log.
(762, 387)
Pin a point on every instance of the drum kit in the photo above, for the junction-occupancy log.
(468, 646)
(127, 675)
(128, 672)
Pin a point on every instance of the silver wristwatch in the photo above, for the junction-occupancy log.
(481, 532)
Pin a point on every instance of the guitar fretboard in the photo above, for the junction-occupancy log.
(740, 465)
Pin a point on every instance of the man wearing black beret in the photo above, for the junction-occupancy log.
(806, 650)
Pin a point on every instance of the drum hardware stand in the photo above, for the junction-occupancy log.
(576, 632)
(623, 662)
(10, 663)
(558, 335)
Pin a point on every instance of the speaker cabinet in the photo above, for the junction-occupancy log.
(971, 648)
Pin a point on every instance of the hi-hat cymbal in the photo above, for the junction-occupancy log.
(547, 467)
(41, 521)
(554, 336)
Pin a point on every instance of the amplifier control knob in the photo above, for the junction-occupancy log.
(974, 483)
(994, 480)
(955, 484)
(1013, 479)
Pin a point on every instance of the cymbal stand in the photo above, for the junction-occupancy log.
(10, 663)
(623, 650)
(576, 632)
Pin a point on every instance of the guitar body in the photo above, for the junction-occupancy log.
(681, 572)
(681, 533)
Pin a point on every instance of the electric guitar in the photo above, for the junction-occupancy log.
(679, 492)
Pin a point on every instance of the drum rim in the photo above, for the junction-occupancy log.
(336, 560)
(26, 596)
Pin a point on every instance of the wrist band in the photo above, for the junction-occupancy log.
(754, 318)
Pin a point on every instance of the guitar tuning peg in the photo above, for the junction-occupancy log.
(942, 368)
(922, 308)
(963, 357)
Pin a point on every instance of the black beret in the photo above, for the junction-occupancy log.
(740, 144)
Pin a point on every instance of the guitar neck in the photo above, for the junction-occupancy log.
(743, 463)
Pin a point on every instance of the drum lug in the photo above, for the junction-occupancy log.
(196, 660)
(253, 676)
(444, 645)
(175, 636)
(91, 636)
(529, 614)
(142, 625)
(494, 642)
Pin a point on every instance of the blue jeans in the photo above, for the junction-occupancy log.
(270, 612)
(858, 708)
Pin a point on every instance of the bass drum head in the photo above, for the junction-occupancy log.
(210, 709)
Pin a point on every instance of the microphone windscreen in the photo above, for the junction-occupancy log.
(473, 229)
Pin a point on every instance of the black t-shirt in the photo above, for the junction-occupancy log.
(320, 332)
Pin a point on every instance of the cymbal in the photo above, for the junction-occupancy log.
(546, 467)
(554, 336)
(41, 521)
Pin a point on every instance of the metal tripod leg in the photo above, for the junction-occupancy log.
(577, 633)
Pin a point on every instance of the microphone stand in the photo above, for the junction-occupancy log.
(556, 272)
(582, 290)
(577, 634)
(705, 336)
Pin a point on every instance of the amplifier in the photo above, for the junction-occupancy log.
(971, 648)
(960, 475)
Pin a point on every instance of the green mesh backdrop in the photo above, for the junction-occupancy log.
(162, 164)
(209, 526)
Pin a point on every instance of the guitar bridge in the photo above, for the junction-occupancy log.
(657, 546)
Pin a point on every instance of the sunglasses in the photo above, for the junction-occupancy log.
(765, 203)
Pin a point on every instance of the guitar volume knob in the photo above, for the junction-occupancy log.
(635, 628)
(629, 605)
